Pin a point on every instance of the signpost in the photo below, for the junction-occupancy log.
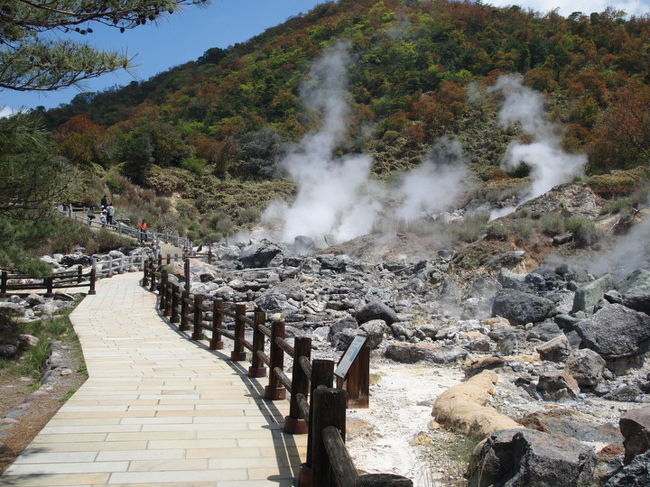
(353, 370)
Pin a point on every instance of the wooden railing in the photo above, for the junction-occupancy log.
(60, 280)
(315, 407)
(81, 214)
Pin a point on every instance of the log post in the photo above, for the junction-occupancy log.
(110, 267)
(169, 259)
(175, 297)
(185, 297)
(293, 423)
(169, 293)
(159, 259)
(322, 374)
(186, 270)
(3, 284)
(93, 278)
(145, 278)
(238, 353)
(209, 254)
(197, 331)
(152, 284)
(79, 276)
(49, 285)
(161, 291)
(329, 410)
(275, 390)
(216, 343)
(257, 368)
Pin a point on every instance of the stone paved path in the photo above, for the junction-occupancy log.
(156, 410)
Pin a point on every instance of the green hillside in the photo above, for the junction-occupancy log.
(212, 131)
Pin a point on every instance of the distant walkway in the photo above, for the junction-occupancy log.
(156, 410)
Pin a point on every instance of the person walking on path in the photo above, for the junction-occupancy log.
(102, 218)
(110, 212)
(104, 202)
(143, 231)
(91, 215)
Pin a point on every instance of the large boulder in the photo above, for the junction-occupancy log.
(521, 308)
(337, 263)
(586, 367)
(635, 427)
(589, 294)
(557, 349)
(409, 353)
(635, 474)
(376, 310)
(616, 332)
(639, 279)
(463, 407)
(635, 299)
(557, 386)
(529, 458)
(258, 254)
(76, 259)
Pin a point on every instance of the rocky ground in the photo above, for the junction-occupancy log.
(565, 348)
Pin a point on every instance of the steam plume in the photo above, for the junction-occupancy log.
(549, 164)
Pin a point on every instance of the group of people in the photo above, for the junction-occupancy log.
(106, 217)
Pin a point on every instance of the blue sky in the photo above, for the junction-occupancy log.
(175, 40)
(182, 37)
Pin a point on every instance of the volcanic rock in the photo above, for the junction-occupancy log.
(259, 254)
(589, 294)
(565, 422)
(586, 367)
(616, 332)
(635, 427)
(8, 350)
(410, 353)
(557, 349)
(635, 474)
(639, 279)
(7, 307)
(335, 263)
(557, 386)
(531, 458)
(521, 308)
(376, 310)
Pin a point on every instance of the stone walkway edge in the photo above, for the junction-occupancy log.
(157, 409)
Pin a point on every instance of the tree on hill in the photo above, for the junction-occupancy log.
(36, 53)
(30, 59)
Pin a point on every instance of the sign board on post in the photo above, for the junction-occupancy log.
(349, 356)
(353, 371)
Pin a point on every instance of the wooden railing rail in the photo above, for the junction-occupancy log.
(59, 280)
(314, 407)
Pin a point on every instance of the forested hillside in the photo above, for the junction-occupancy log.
(415, 67)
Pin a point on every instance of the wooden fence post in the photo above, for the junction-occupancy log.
(185, 297)
(257, 368)
(187, 274)
(322, 374)
(161, 291)
(238, 353)
(110, 267)
(175, 297)
(152, 285)
(79, 276)
(169, 293)
(3, 284)
(93, 278)
(49, 284)
(216, 343)
(197, 331)
(275, 390)
(169, 259)
(209, 254)
(159, 259)
(329, 410)
(299, 385)
(145, 278)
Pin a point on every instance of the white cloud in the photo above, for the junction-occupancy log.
(7, 111)
(567, 7)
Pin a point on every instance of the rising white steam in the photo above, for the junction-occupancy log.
(337, 196)
(433, 186)
(549, 164)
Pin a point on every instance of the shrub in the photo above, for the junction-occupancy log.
(471, 228)
(195, 165)
(552, 224)
(584, 231)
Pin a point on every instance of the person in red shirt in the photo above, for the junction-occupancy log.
(143, 231)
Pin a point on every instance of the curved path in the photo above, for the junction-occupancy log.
(156, 410)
